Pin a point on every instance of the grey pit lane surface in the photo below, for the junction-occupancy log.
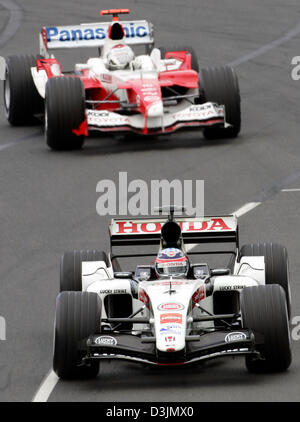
(48, 200)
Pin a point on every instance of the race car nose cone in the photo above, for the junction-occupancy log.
(155, 110)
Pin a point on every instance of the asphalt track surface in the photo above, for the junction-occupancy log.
(48, 199)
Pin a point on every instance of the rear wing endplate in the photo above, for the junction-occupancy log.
(210, 229)
(92, 35)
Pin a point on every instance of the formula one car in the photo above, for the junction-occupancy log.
(173, 312)
(117, 92)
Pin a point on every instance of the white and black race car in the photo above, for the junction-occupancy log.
(158, 315)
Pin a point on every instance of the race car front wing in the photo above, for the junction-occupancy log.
(142, 349)
(196, 115)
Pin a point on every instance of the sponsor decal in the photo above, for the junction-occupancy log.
(106, 341)
(106, 78)
(236, 336)
(170, 318)
(199, 112)
(222, 288)
(171, 329)
(198, 295)
(167, 283)
(170, 252)
(64, 34)
(170, 339)
(131, 227)
(170, 307)
(170, 264)
(115, 291)
(143, 297)
(104, 118)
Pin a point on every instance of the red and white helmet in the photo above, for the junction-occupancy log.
(119, 57)
(171, 262)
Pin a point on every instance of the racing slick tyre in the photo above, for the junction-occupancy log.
(78, 315)
(70, 267)
(64, 112)
(194, 64)
(276, 262)
(220, 85)
(263, 310)
(21, 98)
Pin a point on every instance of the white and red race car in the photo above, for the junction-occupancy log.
(104, 312)
(156, 93)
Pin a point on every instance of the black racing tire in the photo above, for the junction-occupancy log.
(78, 315)
(195, 64)
(70, 267)
(220, 85)
(276, 262)
(21, 98)
(64, 112)
(263, 310)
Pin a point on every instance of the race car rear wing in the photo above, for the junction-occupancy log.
(92, 35)
(210, 229)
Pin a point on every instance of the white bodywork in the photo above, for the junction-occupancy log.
(170, 305)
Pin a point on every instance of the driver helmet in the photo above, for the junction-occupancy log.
(119, 57)
(171, 262)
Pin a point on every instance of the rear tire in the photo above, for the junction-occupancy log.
(220, 85)
(264, 311)
(71, 267)
(276, 262)
(21, 98)
(78, 315)
(64, 111)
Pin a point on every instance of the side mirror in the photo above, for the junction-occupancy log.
(123, 274)
(220, 271)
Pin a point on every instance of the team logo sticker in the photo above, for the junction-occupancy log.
(170, 307)
(106, 341)
(237, 336)
(171, 318)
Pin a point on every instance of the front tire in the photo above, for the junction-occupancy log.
(21, 98)
(276, 265)
(78, 315)
(64, 112)
(220, 85)
(71, 267)
(264, 311)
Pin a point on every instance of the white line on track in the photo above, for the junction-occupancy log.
(46, 387)
(246, 208)
(5, 146)
(14, 21)
(267, 47)
(290, 190)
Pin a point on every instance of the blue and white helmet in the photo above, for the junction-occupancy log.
(171, 262)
